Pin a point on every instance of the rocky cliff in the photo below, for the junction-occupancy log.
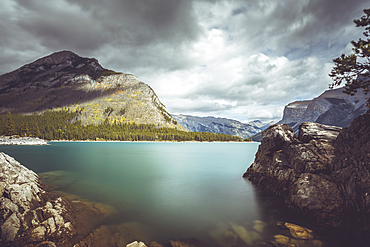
(66, 80)
(221, 125)
(324, 172)
(28, 214)
(333, 107)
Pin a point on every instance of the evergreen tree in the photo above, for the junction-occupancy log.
(354, 70)
(36, 130)
(9, 128)
(24, 129)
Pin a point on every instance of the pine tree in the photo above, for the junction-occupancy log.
(9, 128)
(354, 69)
(24, 129)
(36, 130)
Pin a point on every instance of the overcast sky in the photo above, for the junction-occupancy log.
(238, 59)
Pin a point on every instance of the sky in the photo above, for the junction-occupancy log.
(242, 59)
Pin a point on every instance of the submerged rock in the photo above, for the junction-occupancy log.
(324, 172)
(31, 216)
(297, 231)
(259, 226)
(28, 214)
(114, 236)
(189, 242)
(56, 180)
(231, 234)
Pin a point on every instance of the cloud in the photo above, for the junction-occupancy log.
(244, 59)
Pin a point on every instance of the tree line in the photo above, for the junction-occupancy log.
(62, 125)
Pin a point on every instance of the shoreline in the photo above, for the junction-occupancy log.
(17, 140)
(152, 141)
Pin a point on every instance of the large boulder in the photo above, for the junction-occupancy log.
(28, 214)
(324, 172)
(297, 168)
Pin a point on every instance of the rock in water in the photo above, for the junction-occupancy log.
(28, 214)
(297, 231)
(298, 169)
(324, 172)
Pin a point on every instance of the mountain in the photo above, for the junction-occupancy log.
(66, 80)
(221, 125)
(333, 107)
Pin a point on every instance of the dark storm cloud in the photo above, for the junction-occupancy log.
(87, 27)
(198, 54)
(280, 26)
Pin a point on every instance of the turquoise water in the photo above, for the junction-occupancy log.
(177, 190)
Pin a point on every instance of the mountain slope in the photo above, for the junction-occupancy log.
(66, 80)
(333, 107)
(220, 125)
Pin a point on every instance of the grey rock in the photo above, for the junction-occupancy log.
(136, 244)
(28, 213)
(333, 107)
(16, 140)
(298, 169)
(323, 173)
(309, 131)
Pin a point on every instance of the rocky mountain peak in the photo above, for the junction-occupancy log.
(57, 58)
(65, 58)
(49, 71)
(64, 79)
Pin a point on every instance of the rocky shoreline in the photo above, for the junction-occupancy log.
(16, 140)
(34, 214)
(324, 173)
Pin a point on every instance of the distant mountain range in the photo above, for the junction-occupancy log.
(66, 80)
(221, 125)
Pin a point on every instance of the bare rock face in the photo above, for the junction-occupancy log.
(324, 172)
(351, 169)
(332, 107)
(28, 215)
(297, 168)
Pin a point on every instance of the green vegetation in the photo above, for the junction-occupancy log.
(61, 125)
(354, 70)
(9, 127)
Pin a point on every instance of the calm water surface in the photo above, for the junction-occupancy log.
(177, 190)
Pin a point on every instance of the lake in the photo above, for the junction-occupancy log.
(177, 190)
